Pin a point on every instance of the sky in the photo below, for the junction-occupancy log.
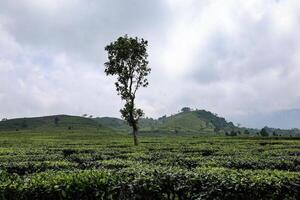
(235, 58)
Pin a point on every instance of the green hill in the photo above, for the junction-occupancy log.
(195, 122)
(199, 121)
(113, 123)
(48, 122)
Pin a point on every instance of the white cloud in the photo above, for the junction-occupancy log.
(232, 57)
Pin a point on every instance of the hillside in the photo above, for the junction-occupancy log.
(48, 122)
(113, 123)
(199, 121)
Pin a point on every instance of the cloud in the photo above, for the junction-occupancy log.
(52, 53)
(232, 57)
(237, 58)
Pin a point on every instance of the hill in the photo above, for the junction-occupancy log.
(48, 122)
(198, 121)
(195, 122)
(113, 123)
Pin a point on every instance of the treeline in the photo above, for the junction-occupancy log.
(265, 132)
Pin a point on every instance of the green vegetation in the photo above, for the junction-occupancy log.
(100, 163)
(55, 122)
(188, 155)
(186, 122)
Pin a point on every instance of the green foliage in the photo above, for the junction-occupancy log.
(264, 132)
(104, 165)
(153, 183)
(186, 109)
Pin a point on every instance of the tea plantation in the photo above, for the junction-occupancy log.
(101, 164)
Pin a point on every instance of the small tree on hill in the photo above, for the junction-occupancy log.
(127, 59)
(264, 132)
(56, 120)
(246, 132)
(24, 124)
(233, 133)
(186, 109)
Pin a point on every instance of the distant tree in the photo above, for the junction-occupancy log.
(233, 133)
(4, 119)
(246, 132)
(226, 133)
(91, 116)
(186, 109)
(24, 124)
(127, 59)
(56, 120)
(264, 132)
(274, 133)
(84, 115)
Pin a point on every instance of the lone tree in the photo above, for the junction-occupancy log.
(264, 132)
(127, 59)
(56, 120)
(186, 109)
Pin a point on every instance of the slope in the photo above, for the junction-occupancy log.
(48, 122)
(198, 121)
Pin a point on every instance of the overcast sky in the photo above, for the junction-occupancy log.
(232, 57)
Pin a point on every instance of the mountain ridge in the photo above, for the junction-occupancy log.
(188, 121)
(196, 121)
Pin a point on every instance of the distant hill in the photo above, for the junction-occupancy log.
(195, 122)
(198, 121)
(48, 122)
(185, 122)
(113, 123)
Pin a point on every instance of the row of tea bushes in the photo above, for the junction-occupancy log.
(86, 161)
(152, 182)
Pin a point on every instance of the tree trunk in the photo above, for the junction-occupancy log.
(134, 133)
